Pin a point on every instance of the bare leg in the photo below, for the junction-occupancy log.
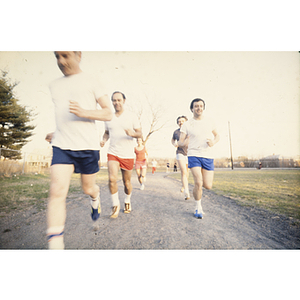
(138, 173)
(126, 176)
(89, 186)
(113, 168)
(197, 174)
(56, 212)
(197, 192)
(144, 171)
(208, 177)
(184, 175)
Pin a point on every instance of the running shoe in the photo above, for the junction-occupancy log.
(95, 213)
(127, 209)
(142, 187)
(187, 197)
(198, 215)
(115, 212)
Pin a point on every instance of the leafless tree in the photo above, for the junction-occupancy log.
(151, 116)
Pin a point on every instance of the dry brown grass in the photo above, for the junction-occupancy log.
(10, 167)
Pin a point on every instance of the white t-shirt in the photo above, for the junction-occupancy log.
(122, 145)
(199, 131)
(154, 163)
(72, 132)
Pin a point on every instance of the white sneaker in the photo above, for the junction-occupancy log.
(142, 187)
(187, 197)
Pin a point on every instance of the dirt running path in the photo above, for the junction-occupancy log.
(160, 219)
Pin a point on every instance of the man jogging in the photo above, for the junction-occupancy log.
(121, 131)
(75, 141)
(181, 157)
(202, 135)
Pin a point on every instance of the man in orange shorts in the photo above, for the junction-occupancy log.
(121, 131)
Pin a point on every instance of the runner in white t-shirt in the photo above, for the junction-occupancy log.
(75, 147)
(154, 164)
(121, 131)
(202, 135)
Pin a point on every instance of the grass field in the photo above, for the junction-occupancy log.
(272, 189)
(22, 191)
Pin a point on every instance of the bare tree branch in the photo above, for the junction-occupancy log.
(152, 112)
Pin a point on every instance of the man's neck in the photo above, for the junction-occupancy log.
(118, 113)
(75, 73)
(198, 118)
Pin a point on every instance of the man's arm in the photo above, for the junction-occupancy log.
(136, 133)
(49, 137)
(183, 140)
(105, 138)
(174, 143)
(105, 114)
(211, 142)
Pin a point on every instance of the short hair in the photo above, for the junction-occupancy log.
(76, 52)
(196, 100)
(180, 118)
(117, 92)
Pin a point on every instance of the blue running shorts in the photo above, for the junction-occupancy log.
(84, 161)
(205, 163)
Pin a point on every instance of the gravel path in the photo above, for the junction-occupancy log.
(160, 219)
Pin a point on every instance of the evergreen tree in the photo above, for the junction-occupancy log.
(14, 119)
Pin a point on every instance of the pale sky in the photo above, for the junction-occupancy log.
(257, 92)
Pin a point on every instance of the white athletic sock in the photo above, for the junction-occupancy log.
(198, 205)
(95, 201)
(115, 199)
(55, 237)
(186, 191)
(127, 199)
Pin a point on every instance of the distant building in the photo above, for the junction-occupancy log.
(39, 159)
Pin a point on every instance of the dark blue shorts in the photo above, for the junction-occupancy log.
(85, 161)
(204, 163)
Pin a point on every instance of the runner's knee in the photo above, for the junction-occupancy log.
(198, 183)
(90, 189)
(112, 179)
(183, 172)
(58, 191)
(208, 186)
(127, 183)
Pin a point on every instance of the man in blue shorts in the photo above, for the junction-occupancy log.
(202, 135)
(75, 141)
